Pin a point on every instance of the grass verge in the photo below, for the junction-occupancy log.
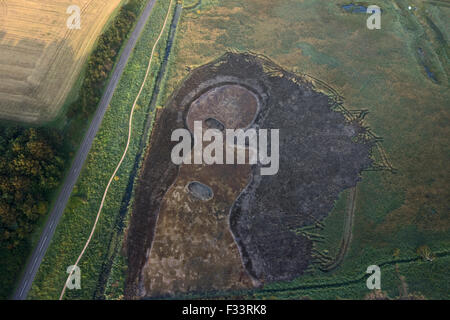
(77, 220)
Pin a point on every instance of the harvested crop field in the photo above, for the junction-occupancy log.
(40, 57)
(235, 229)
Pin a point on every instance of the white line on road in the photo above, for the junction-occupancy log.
(23, 288)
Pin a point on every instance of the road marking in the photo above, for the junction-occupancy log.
(130, 125)
(23, 288)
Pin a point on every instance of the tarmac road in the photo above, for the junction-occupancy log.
(47, 234)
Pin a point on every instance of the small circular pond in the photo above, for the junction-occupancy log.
(200, 190)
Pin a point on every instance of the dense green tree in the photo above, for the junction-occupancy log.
(31, 166)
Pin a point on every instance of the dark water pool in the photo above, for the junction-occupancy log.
(430, 74)
(200, 190)
(354, 8)
(215, 124)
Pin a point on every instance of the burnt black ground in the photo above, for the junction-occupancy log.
(319, 158)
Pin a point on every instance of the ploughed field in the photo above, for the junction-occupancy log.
(40, 57)
(202, 228)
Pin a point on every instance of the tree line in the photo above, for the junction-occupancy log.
(33, 160)
(31, 166)
(101, 61)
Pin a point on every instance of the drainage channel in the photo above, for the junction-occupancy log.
(119, 224)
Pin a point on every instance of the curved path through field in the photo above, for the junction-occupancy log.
(72, 176)
(130, 124)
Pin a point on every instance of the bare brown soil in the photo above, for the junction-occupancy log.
(193, 248)
(232, 105)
